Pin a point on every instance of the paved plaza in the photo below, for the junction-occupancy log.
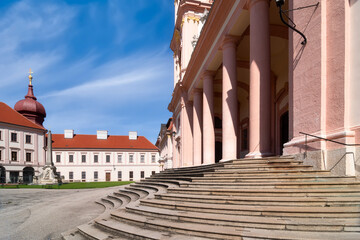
(45, 213)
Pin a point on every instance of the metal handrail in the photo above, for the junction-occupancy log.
(344, 144)
(326, 139)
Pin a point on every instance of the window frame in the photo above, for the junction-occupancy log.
(26, 139)
(16, 156)
(26, 156)
(13, 136)
(71, 158)
(142, 158)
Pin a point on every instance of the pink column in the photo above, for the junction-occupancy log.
(260, 81)
(186, 131)
(229, 100)
(208, 118)
(197, 120)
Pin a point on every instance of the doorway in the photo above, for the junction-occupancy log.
(2, 175)
(284, 130)
(218, 151)
(14, 177)
(28, 174)
(108, 176)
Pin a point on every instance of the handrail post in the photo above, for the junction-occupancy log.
(305, 146)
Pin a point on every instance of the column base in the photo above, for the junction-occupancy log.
(258, 155)
(227, 160)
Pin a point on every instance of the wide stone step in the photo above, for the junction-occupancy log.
(224, 232)
(91, 232)
(194, 168)
(270, 184)
(300, 192)
(163, 185)
(277, 178)
(257, 161)
(132, 231)
(282, 211)
(240, 173)
(302, 224)
(164, 180)
(263, 168)
(266, 201)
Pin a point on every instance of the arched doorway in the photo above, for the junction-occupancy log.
(28, 174)
(2, 175)
(284, 130)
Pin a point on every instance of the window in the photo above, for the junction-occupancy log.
(83, 175)
(27, 138)
(96, 158)
(95, 175)
(153, 158)
(119, 175)
(131, 175)
(153, 172)
(119, 158)
(142, 158)
(13, 137)
(71, 175)
(107, 158)
(28, 157)
(142, 174)
(13, 156)
(83, 158)
(0, 135)
(0, 156)
(58, 158)
(131, 158)
(71, 158)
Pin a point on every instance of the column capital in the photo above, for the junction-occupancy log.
(208, 73)
(251, 3)
(230, 41)
(197, 91)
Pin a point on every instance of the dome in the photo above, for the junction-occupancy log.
(30, 107)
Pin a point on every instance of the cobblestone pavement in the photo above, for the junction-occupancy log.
(36, 214)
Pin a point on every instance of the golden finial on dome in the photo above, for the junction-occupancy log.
(30, 77)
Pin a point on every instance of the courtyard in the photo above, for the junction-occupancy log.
(46, 213)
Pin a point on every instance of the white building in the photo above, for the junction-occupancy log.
(164, 143)
(104, 157)
(22, 142)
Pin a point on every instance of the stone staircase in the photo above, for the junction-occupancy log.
(269, 198)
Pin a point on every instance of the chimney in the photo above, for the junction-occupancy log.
(133, 136)
(102, 134)
(68, 133)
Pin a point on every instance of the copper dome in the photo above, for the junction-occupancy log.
(30, 108)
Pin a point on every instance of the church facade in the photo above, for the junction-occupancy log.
(251, 82)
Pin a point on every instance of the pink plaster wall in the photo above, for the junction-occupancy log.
(306, 71)
(335, 75)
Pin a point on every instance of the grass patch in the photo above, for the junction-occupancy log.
(77, 185)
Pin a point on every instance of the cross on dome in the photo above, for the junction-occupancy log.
(30, 77)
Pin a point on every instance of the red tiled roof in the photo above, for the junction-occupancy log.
(9, 115)
(82, 141)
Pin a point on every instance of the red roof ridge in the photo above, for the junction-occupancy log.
(11, 116)
(87, 141)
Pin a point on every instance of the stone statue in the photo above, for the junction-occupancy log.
(48, 175)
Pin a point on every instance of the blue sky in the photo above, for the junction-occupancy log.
(98, 64)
